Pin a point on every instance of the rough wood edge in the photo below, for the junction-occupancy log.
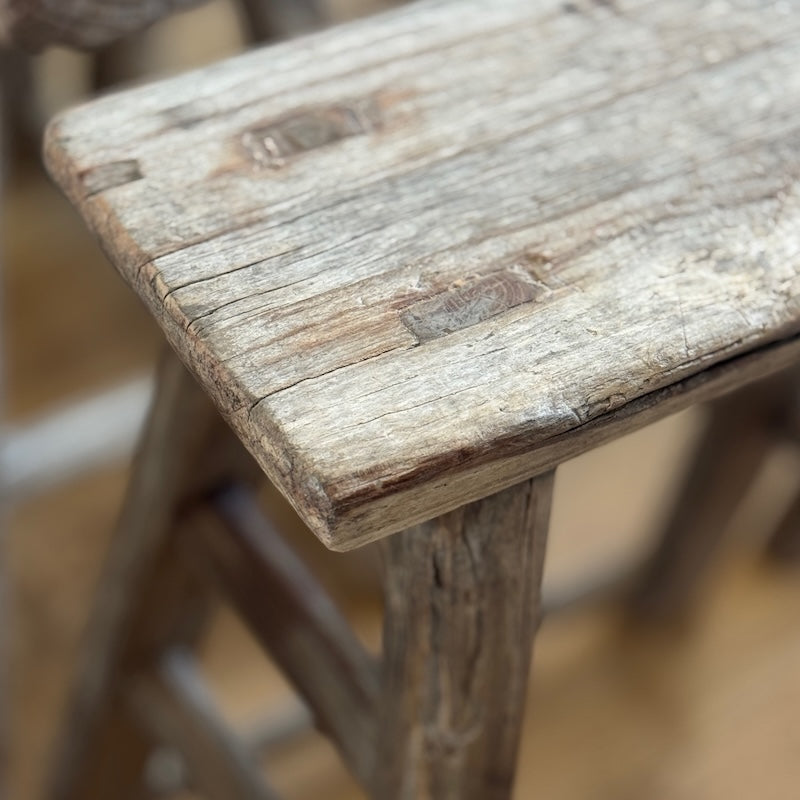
(784, 543)
(350, 525)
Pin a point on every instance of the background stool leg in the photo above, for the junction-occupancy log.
(174, 701)
(119, 63)
(739, 434)
(5, 593)
(139, 585)
(784, 544)
(20, 133)
(462, 606)
(264, 20)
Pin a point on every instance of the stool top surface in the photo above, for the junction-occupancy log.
(419, 257)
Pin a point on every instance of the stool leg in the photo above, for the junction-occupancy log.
(100, 751)
(174, 701)
(784, 544)
(119, 63)
(18, 119)
(462, 606)
(739, 434)
(265, 20)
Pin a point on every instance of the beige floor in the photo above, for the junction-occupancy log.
(711, 712)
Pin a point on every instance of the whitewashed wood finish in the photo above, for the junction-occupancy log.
(607, 191)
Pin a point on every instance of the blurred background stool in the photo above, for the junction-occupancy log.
(344, 447)
(741, 431)
(52, 448)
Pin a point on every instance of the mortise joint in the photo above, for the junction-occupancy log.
(471, 302)
(108, 176)
(273, 144)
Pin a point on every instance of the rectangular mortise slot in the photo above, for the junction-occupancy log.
(474, 302)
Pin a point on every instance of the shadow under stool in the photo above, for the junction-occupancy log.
(414, 266)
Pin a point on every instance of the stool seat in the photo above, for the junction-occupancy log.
(419, 258)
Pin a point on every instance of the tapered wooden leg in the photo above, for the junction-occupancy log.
(740, 432)
(462, 606)
(5, 650)
(784, 544)
(265, 20)
(100, 751)
(119, 63)
(18, 120)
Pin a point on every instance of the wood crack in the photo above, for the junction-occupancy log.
(490, 142)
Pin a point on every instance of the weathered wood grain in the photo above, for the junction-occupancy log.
(5, 509)
(414, 261)
(462, 605)
(35, 24)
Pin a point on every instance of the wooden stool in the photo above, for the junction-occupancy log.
(416, 265)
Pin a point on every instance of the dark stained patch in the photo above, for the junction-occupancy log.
(469, 304)
(108, 176)
(273, 144)
(583, 8)
(184, 116)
